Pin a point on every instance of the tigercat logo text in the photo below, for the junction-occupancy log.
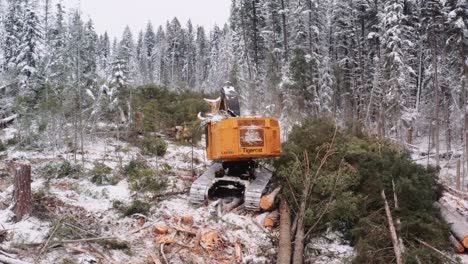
(249, 151)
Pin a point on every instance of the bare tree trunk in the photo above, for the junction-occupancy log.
(22, 189)
(429, 145)
(298, 257)
(448, 130)
(458, 178)
(285, 32)
(393, 234)
(284, 250)
(436, 101)
(409, 138)
(465, 174)
(465, 106)
(244, 36)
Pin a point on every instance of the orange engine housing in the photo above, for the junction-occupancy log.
(243, 138)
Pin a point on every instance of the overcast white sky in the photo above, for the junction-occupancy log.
(114, 15)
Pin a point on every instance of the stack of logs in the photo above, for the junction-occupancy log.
(458, 228)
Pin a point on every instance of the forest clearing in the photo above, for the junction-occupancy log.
(234, 131)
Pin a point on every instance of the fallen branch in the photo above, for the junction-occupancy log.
(163, 255)
(79, 250)
(6, 121)
(436, 250)
(44, 248)
(84, 240)
(9, 260)
(164, 195)
(183, 230)
(141, 229)
(155, 258)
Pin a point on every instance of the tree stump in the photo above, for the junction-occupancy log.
(22, 197)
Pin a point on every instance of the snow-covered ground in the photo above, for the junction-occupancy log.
(423, 154)
(92, 206)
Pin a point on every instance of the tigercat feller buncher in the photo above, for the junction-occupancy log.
(234, 143)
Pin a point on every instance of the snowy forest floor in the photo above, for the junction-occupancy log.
(87, 210)
(422, 154)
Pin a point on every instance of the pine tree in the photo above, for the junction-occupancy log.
(124, 61)
(201, 58)
(28, 56)
(13, 30)
(142, 59)
(59, 67)
(189, 66)
(159, 56)
(150, 46)
(104, 54)
(89, 55)
(393, 45)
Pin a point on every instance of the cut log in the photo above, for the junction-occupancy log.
(161, 229)
(22, 189)
(458, 225)
(187, 220)
(285, 249)
(271, 219)
(268, 201)
(393, 234)
(459, 248)
(210, 240)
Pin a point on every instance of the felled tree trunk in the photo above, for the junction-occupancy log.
(285, 250)
(22, 189)
(298, 257)
(393, 234)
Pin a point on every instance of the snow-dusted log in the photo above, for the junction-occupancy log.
(6, 121)
(458, 225)
(22, 192)
(459, 194)
(268, 201)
